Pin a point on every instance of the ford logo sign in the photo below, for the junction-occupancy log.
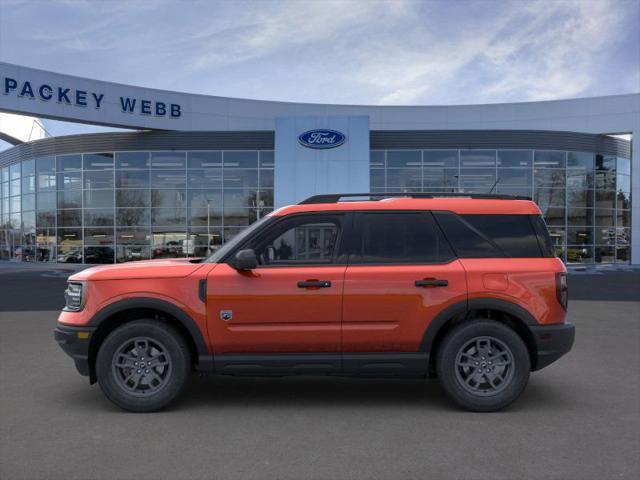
(322, 138)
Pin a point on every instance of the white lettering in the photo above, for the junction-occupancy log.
(321, 138)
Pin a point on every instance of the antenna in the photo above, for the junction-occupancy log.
(494, 185)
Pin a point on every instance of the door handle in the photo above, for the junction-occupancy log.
(432, 282)
(314, 284)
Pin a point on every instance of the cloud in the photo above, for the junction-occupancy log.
(553, 55)
(532, 51)
(338, 51)
(291, 25)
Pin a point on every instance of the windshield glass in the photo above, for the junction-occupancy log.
(239, 238)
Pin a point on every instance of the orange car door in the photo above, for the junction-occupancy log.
(401, 274)
(292, 302)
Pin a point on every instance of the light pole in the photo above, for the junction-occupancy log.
(209, 226)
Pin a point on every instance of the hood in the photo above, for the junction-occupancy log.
(164, 268)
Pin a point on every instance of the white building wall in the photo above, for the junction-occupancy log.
(301, 172)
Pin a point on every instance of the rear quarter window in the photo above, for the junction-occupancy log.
(487, 236)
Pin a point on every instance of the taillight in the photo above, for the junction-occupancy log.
(562, 289)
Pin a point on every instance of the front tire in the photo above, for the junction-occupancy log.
(483, 365)
(143, 365)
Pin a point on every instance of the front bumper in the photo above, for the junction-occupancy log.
(552, 342)
(75, 343)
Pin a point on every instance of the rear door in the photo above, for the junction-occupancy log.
(401, 274)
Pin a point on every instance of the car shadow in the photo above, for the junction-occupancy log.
(210, 391)
(285, 392)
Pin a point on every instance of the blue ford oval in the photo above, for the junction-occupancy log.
(322, 138)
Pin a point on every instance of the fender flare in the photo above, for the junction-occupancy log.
(466, 306)
(204, 356)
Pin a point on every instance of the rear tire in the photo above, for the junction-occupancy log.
(483, 365)
(143, 365)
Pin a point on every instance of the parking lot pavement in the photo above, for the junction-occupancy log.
(578, 419)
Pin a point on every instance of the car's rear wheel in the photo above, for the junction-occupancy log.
(143, 365)
(483, 365)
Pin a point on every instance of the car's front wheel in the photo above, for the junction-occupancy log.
(143, 365)
(483, 365)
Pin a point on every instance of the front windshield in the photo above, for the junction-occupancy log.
(239, 238)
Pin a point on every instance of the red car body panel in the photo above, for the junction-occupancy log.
(384, 311)
(527, 282)
(368, 308)
(270, 312)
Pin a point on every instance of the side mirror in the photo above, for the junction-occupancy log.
(245, 260)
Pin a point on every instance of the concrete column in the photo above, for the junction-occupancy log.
(635, 197)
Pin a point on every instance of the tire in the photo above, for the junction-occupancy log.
(143, 365)
(483, 365)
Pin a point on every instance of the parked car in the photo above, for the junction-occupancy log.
(463, 288)
(71, 256)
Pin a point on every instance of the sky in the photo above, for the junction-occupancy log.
(387, 52)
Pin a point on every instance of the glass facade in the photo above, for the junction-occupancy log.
(585, 197)
(111, 207)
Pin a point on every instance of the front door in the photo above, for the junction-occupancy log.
(292, 302)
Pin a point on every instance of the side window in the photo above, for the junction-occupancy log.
(490, 236)
(544, 239)
(399, 238)
(305, 240)
(514, 234)
(466, 240)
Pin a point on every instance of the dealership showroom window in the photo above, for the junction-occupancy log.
(122, 206)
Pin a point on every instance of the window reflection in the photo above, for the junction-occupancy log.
(97, 161)
(131, 253)
(98, 255)
(138, 160)
(404, 159)
(169, 243)
(240, 160)
(132, 179)
(168, 160)
(98, 179)
(404, 179)
(515, 158)
(205, 241)
(549, 159)
(68, 162)
(477, 158)
(440, 159)
(204, 160)
(162, 204)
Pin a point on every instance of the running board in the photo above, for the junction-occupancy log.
(385, 364)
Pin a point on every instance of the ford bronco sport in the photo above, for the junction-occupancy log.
(465, 288)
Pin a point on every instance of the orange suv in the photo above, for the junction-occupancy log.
(465, 288)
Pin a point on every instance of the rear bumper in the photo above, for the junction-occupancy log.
(75, 343)
(552, 342)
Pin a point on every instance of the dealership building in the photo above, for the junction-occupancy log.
(194, 170)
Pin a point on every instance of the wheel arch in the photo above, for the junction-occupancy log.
(123, 311)
(503, 311)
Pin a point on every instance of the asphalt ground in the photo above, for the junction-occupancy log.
(578, 419)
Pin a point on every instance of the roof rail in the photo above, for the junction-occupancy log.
(335, 197)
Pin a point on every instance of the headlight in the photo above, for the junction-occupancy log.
(74, 297)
